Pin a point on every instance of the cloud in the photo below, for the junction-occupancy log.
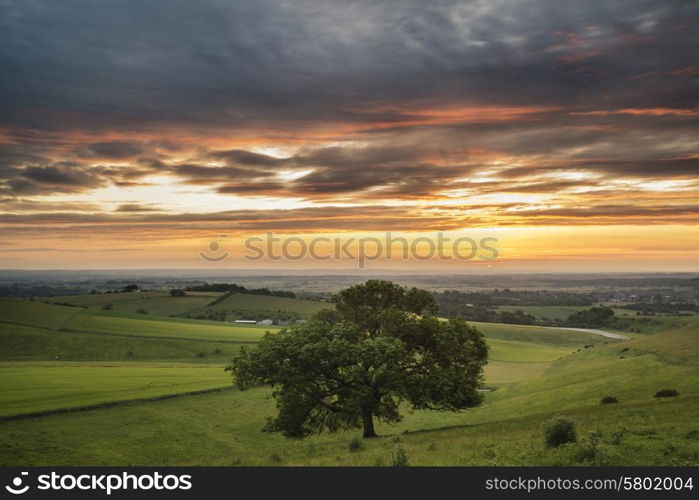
(389, 106)
(251, 64)
(115, 150)
(136, 208)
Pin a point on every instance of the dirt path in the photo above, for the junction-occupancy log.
(601, 333)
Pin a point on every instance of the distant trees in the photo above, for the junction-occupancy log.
(232, 288)
(177, 293)
(594, 317)
(344, 368)
(129, 288)
(454, 302)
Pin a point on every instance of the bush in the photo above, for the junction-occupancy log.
(275, 459)
(400, 457)
(589, 451)
(140, 310)
(667, 393)
(559, 431)
(607, 400)
(201, 355)
(355, 445)
(108, 307)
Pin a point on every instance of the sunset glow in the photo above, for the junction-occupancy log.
(574, 140)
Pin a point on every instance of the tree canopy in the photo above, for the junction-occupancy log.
(381, 346)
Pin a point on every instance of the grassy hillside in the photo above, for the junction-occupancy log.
(238, 304)
(35, 313)
(112, 325)
(538, 335)
(537, 373)
(156, 303)
(33, 388)
(224, 429)
(26, 343)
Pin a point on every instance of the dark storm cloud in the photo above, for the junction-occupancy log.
(101, 93)
(65, 177)
(135, 63)
(116, 150)
(643, 168)
(321, 172)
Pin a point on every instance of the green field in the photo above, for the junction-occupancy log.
(156, 303)
(26, 343)
(35, 313)
(538, 335)
(524, 352)
(28, 389)
(111, 325)
(57, 358)
(243, 302)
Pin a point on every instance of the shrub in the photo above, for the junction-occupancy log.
(201, 355)
(667, 393)
(400, 457)
(275, 459)
(589, 451)
(355, 445)
(559, 431)
(107, 307)
(140, 310)
(218, 351)
(607, 400)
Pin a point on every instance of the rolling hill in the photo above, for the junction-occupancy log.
(64, 358)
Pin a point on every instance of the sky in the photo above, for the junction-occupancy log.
(134, 133)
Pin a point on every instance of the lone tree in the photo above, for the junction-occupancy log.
(380, 347)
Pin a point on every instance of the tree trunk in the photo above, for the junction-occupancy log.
(368, 420)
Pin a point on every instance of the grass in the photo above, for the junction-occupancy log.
(538, 334)
(248, 302)
(539, 373)
(113, 325)
(26, 343)
(651, 325)
(224, 429)
(35, 313)
(506, 372)
(156, 303)
(27, 389)
(524, 352)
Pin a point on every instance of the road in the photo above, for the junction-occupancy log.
(601, 333)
